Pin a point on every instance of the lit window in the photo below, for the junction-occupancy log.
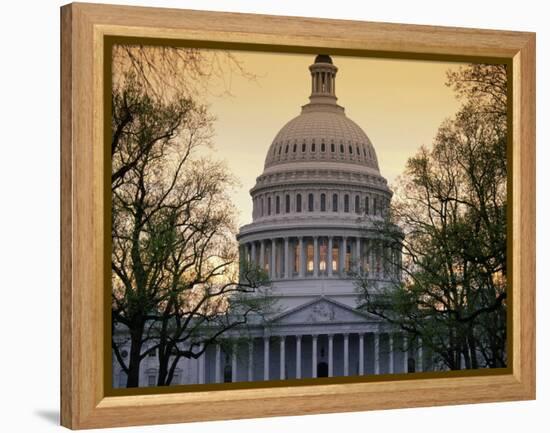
(335, 255)
(323, 256)
(310, 257)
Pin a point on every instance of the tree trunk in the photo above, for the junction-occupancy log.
(136, 335)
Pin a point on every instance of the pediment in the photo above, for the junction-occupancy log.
(322, 310)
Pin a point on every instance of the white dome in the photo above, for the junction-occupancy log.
(322, 132)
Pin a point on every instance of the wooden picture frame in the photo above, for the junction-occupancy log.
(84, 29)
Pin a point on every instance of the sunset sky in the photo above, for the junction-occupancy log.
(398, 103)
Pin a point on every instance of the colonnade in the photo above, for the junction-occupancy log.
(281, 342)
(321, 256)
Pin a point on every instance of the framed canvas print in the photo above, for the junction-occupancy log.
(269, 216)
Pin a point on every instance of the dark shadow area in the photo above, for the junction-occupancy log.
(50, 415)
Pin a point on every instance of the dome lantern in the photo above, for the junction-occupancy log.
(323, 80)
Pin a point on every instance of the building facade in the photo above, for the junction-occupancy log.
(314, 209)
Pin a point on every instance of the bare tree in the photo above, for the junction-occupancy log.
(448, 220)
(176, 286)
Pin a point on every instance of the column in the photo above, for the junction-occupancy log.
(282, 358)
(343, 256)
(390, 347)
(273, 271)
(266, 358)
(287, 260)
(420, 356)
(330, 355)
(361, 354)
(329, 256)
(376, 353)
(234, 363)
(358, 254)
(405, 355)
(314, 356)
(262, 255)
(250, 359)
(202, 368)
(346, 355)
(315, 256)
(253, 253)
(301, 261)
(298, 357)
(218, 363)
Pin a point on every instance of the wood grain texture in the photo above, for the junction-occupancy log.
(83, 400)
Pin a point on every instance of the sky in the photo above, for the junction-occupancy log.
(399, 104)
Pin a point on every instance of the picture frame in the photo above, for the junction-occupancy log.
(86, 30)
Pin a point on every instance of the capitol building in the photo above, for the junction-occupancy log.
(315, 206)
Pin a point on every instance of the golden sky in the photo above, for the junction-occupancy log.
(398, 103)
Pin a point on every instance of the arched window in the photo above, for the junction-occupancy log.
(287, 203)
(176, 377)
(294, 148)
(286, 148)
(357, 204)
(310, 202)
(350, 150)
(151, 377)
(280, 148)
(277, 204)
(262, 206)
(332, 147)
(298, 202)
(366, 205)
(346, 203)
(313, 146)
(357, 148)
(335, 202)
(374, 206)
(322, 147)
(304, 146)
(341, 148)
(323, 202)
(269, 205)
